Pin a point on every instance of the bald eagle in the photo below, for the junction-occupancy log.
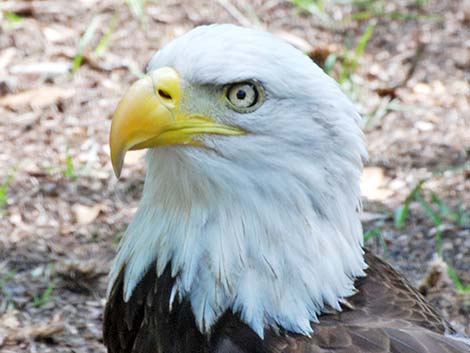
(247, 237)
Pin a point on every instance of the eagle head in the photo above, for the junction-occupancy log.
(252, 186)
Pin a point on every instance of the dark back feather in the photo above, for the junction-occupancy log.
(387, 315)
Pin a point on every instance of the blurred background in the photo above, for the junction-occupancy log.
(65, 64)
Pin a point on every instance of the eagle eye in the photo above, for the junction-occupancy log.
(244, 96)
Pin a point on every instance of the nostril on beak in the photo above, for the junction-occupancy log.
(164, 94)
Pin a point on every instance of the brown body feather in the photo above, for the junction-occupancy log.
(386, 315)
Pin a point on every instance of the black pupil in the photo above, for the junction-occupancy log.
(241, 94)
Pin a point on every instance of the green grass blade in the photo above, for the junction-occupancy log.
(376, 234)
(43, 298)
(455, 278)
(371, 233)
(464, 216)
(77, 62)
(329, 64)
(314, 7)
(137, 8)
(69, 170)
(401, 213)
(101, 47)
(444, 210)
(364, 39)
(12, 17)
(4, 187)
(454, 168)
(4, 279)
(7, 277)
(84, 42)
(433, 215)
(359, 16)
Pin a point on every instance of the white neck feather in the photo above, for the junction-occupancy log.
(275, 245)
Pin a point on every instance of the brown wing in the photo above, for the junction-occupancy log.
(386, 316)
(358, 339)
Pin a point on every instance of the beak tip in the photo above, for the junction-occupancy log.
(117, 167)
(117, 164)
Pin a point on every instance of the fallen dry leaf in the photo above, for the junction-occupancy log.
(9, 320)
(38, 97)
(86, 214)
(38, 332)
(80, 275)
(56, 33)
(320, 53)
(42, 68)
(436, 277)
(44, 331)
(296, 41)
(370, 216)
(9, 323)
(3, 335)
(372, 184)
(466, 11)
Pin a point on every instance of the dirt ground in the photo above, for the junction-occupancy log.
(62, 211)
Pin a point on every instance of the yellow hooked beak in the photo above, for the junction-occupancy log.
(148, 116)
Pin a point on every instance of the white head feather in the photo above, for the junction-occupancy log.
(267, 225)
